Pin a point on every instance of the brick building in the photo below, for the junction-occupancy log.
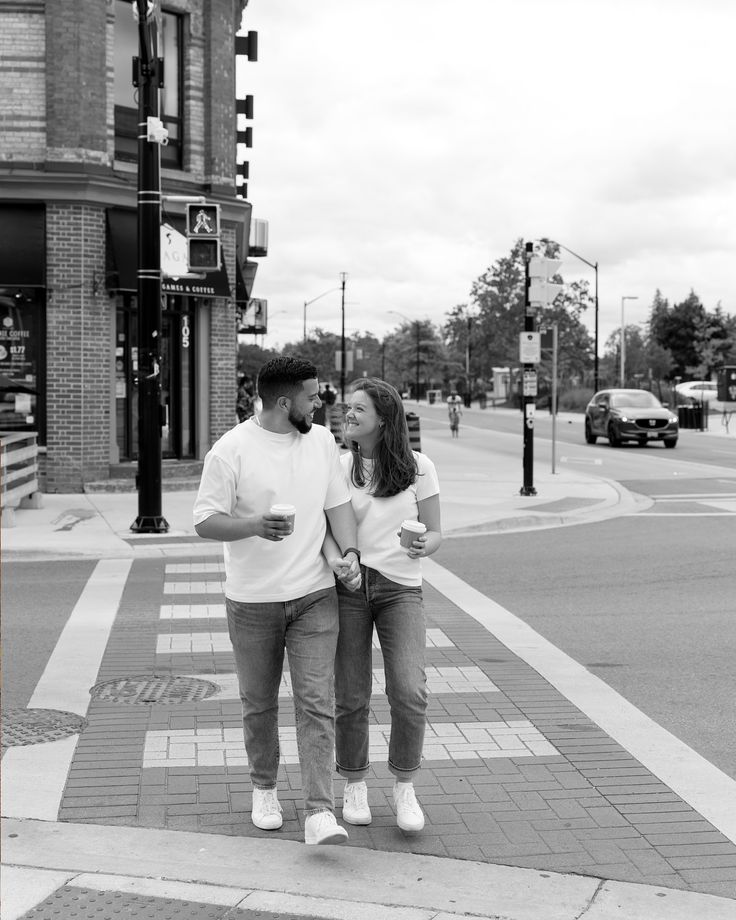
(68, 229)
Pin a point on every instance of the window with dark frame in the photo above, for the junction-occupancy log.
(126, 99)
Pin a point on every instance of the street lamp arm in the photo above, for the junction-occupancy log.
(577, 256)
(307, 303)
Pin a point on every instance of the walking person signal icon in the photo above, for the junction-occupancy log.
(203, 237)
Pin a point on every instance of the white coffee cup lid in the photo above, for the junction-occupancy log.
(283, 509)
(414, 526)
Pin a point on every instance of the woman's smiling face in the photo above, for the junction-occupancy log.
(361, 419)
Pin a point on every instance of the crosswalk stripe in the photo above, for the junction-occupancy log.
(439, 680)
(224, 747)
(210, 642)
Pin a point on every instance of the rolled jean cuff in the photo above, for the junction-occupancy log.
(353, 775)
(404, 774)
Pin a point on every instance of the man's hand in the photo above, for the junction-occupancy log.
(347, 570)
(274, 527)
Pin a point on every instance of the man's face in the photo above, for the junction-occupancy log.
(303, 405)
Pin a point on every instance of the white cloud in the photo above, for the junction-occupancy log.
(410, 144)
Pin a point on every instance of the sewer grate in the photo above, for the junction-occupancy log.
(153, 688)
(35, 726)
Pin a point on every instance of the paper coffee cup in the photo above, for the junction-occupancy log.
(285, 511)
(410, 530)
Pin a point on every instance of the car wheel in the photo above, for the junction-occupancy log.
(613, 439)
(670, 442)
(590, 438)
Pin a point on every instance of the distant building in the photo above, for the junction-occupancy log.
(68, 229)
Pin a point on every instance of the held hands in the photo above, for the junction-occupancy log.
(347, 571)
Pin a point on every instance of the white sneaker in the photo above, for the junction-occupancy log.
(266, 812)
(355, 808)
(409, 815)
(323, 828)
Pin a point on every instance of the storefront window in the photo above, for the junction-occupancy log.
(22, 336)
(126, 106)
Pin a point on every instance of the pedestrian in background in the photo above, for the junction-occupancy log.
(454, 411)
(389, 483)
(279, 590)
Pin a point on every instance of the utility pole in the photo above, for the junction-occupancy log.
(529, 387)
(148, 78)
(343, 279)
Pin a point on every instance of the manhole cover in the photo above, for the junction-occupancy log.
(150, 688)
(34, 726)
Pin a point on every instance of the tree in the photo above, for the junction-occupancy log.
(497, 299)
(676, 329)
(715, 341)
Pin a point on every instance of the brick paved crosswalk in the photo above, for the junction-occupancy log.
(513, 773)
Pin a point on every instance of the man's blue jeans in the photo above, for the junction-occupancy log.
(307, 629)
(398, 614)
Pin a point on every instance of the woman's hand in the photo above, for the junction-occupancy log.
(347, 571)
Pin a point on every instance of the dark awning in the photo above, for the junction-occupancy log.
(122, 260)
(23, 249)
(245, 275)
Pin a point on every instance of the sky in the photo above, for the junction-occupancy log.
(410, 143)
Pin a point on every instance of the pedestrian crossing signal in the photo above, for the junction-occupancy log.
(203, 237)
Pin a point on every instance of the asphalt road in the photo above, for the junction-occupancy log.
(37, 599)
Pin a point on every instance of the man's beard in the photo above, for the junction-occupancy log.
(302, 423)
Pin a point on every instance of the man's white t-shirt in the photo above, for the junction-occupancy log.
(249, 469)
(379, 521)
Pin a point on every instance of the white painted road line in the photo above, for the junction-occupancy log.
(33, 776)
(224, 747)
(697, 781)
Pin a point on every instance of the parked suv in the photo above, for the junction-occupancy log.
(629, 415)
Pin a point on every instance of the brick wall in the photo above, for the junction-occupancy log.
(78, 349)
(223, 351)
(76, 89)
(23, 81)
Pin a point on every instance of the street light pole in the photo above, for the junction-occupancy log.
(343, 278)
(623, 341)
(594, 266)
(148, 74)
(308, 302)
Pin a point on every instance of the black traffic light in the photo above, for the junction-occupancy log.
(203, 237)
(727, 384)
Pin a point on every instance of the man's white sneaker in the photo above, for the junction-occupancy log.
(355, 808)
(323, 828)
(409, 815)
(266, 812)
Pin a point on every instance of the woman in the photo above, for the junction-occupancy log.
(389, 483)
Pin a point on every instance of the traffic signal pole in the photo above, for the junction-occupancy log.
(528, 374)
(148, 77)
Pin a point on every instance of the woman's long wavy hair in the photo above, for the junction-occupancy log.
(394, 464)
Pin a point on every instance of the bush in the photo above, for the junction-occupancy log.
(574, 400)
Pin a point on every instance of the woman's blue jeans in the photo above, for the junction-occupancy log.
(398, 615)
(307, 629)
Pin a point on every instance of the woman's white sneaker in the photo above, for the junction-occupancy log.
(355, 808)
(323, 828)
(409, 816)
(266, 812)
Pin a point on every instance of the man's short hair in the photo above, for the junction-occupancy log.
(283, 377)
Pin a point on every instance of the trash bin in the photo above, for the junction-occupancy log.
(466, 400)
(431, 396)
(690, 416)
(415, 441)
(482, 400)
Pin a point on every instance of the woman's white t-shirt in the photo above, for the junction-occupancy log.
(379, 520)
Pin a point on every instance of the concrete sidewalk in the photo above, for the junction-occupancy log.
(91, 825)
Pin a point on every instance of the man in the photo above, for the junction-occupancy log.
(279, 590)
(454, 411)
